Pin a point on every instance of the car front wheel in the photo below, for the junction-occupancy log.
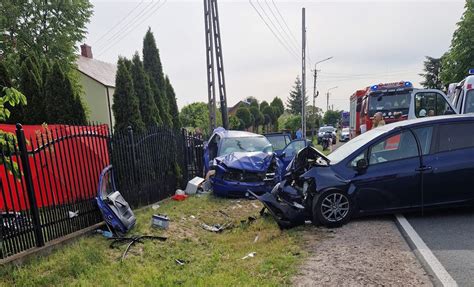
(332, 208)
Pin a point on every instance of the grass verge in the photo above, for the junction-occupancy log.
(212, 259)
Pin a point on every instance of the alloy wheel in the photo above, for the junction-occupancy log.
(335, 207)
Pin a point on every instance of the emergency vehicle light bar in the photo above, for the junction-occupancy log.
(471, 71)
(386, 86)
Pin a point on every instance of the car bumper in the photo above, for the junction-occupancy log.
(226, 188)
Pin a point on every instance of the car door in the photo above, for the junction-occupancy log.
(291, 150)
(451, 176)
(210, 151)
(392, 178)
(428, 103)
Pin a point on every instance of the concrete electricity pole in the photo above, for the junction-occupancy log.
(327, 104)
(303, 75)
(315, 94)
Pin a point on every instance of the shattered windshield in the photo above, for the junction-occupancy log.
(246, 144)
(389, 103)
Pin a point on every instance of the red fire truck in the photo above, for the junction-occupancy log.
(355, 107)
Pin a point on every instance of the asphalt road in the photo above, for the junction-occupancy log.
(449, 234)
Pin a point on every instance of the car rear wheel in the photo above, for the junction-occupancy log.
(332, 208)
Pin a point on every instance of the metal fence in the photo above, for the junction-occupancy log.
(48, 181)
(49, 176)
(150, 166)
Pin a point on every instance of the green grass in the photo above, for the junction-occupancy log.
(213, 259)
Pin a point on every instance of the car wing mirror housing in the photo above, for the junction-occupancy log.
(361, 165)
(282, 154)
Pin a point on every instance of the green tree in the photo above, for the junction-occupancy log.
(460, 57)
(141, 85)
(431, 75)
(49, 28)
(263, 105)
(173, 106)
(294, 99)
(257, 117)
(32, 86)
(269, 117)
(293, 123)
(126, 106)
(234, 123)
(195, 115)
(277, 103)
(9, 97)
(245, 116)
(62, 107)
(332, 117)
(253, 102)
(154, 69)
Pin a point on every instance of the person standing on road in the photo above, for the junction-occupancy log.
(378, 120)
(299, 134)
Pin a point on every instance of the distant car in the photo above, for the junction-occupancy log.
(278, 140)
(407, 165)
(240, 161)
(345, 135)
(463, 95)
(323, 130)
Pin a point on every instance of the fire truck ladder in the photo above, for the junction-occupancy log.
(211, 17)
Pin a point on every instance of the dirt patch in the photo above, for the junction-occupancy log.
(363, 252)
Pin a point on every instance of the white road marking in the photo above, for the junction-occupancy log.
(436, 266)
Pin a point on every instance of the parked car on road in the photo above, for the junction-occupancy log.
(323, 130)
(406, 165)
(345, 135)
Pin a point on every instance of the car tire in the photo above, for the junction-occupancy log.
(329, 208)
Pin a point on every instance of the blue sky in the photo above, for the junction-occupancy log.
(371, 42)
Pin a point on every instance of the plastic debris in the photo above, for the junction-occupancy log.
(193, 185)
(216, 227)
(105, 233)
(254, 205)
(192, 216)
(224, 213)
(155, 206)
(131, 241)
(181, 261)
(73, 214)
(250, 255)
(256, 239)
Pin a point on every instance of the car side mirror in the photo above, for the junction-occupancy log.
(361, 164)
(449, 112)
(282, 154)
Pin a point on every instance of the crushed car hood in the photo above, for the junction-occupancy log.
(248, 161)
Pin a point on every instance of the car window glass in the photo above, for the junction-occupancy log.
(213, 146)
(429, 104)
(399, 146)
(424, 135)
(469, 106)
(294, 147)
(357, 158)
(456, 136)
(278, 142)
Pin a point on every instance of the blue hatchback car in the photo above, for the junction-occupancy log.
(240, 161)
(408, 165)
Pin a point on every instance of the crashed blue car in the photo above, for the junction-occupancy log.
(239, 161)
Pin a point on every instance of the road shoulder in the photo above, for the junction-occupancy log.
(363, 252)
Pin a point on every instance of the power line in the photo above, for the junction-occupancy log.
(288, 37)
(118, 23)
(286, 24)
(271, 30)
(137, 17)
(152, 12)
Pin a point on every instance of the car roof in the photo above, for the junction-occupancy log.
(276, 134)
(429, 120)
(223, 133)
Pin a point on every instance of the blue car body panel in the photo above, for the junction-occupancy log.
(248, 161)
(431, 178)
